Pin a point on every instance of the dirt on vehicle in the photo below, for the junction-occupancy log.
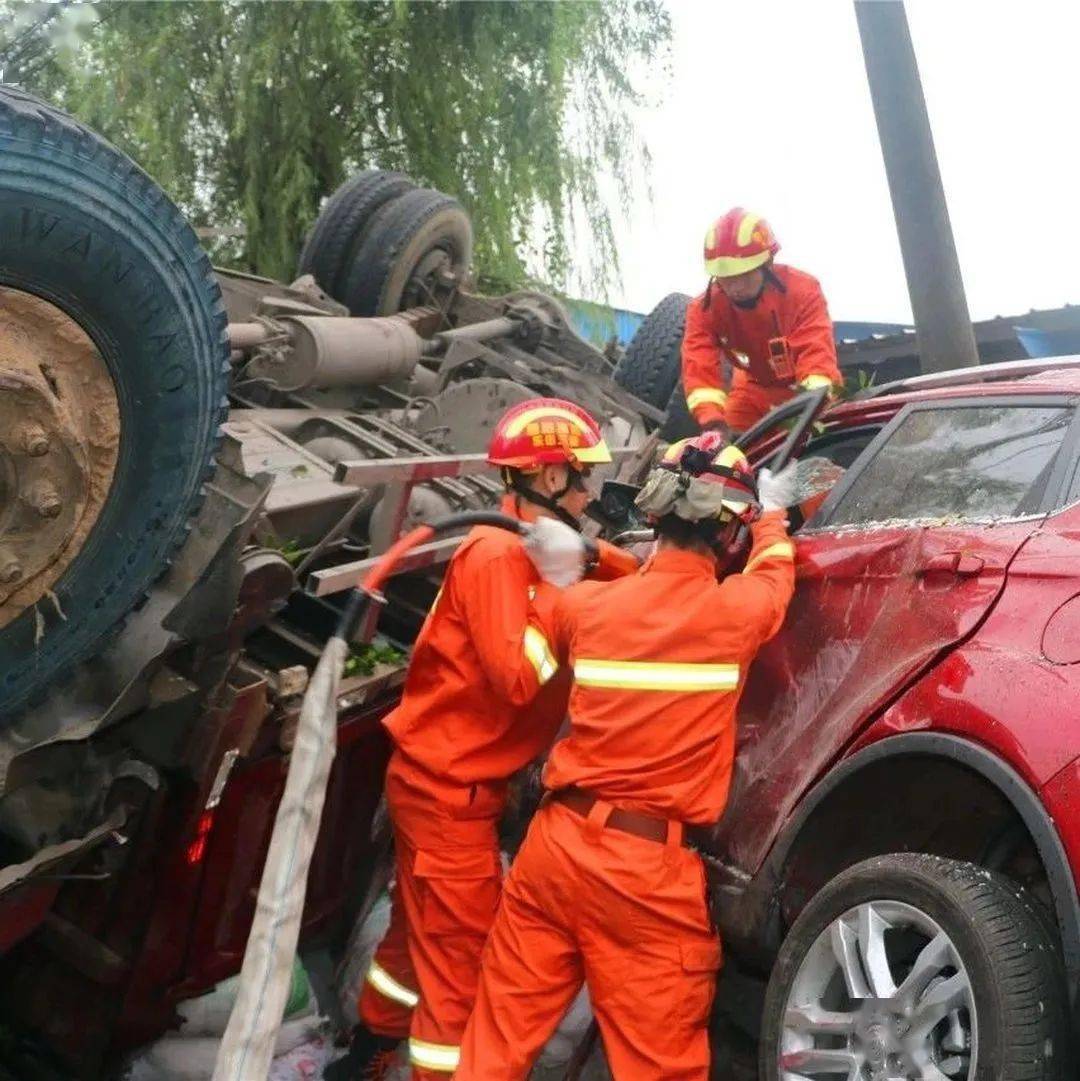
(195, 464)
(59, 402)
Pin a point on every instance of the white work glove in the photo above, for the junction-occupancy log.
(778, 491)
(556, 551)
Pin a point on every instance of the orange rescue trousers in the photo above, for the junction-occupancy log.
(626, 915)
(422, 981)
(749, 401)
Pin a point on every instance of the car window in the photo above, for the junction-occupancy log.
(958, 461)
(822, 466)
(842, 448)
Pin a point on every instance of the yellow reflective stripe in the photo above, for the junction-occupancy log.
(539, 655)
(779, 550)
(703, 395)
(674, 451)
(731, 455)
(598, 455)
(812, 382)
(434, 1056)
(545, 412)
(728, 266)
(656, 675)
(746, 229)
(386, 985)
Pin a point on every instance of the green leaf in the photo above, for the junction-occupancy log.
(249, 114)
(363, 660)
(292, 552)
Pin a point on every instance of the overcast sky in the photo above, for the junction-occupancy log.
(768, 108)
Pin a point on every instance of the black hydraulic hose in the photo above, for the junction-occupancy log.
(370, 589)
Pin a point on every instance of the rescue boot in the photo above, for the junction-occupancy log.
(370, 1058)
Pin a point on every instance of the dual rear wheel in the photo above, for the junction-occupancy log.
(381, 245)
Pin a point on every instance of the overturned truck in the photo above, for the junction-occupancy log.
(195, 465)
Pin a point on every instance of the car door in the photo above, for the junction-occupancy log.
(902, 561)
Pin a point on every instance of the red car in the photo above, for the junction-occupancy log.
(900, 854)
(902, 845)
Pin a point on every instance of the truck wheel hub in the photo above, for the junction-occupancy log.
(59, 439)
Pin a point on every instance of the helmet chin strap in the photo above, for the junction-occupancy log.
(548, 502)
(768, 278)
(726, 536)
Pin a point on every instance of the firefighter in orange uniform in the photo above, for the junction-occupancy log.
(480, 702)
(604, 890)
(767, 321)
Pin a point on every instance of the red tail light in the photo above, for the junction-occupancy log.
(197, 849)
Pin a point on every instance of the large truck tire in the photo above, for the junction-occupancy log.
(415, 245)
(678, 423)
(915, 966)
(339, 229)
(651, 365)
(113, 365)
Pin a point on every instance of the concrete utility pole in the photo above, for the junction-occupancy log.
(942, 323)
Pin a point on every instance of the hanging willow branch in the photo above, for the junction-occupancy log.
(250, 113)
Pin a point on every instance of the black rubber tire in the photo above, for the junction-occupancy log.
(678, 424)
(1015, 968)
(86, 229)
(338, 230)
(651, 366)
(398, 237)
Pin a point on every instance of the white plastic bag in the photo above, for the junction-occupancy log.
(363, 942)
(208, 1014)
(191, 1058)
(567, 1036)
(303, 1063)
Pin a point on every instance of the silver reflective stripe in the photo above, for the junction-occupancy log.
(656, 675)
(539, 654)
(434, 1056)
(386, 985)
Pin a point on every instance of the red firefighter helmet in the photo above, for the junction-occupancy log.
(738, 243)
(547, 431)
(710, 458)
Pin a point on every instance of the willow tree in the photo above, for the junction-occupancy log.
(250, 113)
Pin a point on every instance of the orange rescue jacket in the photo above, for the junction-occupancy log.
(468, 713)
(659, 661)
(793, 314)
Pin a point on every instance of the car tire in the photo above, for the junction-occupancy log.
(420, 229)
(651, 366)
(678, 423)
(339, 229)
(88, 232)
(949, 939)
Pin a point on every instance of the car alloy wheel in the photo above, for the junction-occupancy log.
(881, 995)
(914, 967)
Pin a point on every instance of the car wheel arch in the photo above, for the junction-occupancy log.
(754, 908)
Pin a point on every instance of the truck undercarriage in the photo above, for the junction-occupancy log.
(194, 466)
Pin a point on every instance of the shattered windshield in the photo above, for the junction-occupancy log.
(960, 462)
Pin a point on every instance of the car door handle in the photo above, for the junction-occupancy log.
(960, 564)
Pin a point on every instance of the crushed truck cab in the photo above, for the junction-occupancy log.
(195, 467)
